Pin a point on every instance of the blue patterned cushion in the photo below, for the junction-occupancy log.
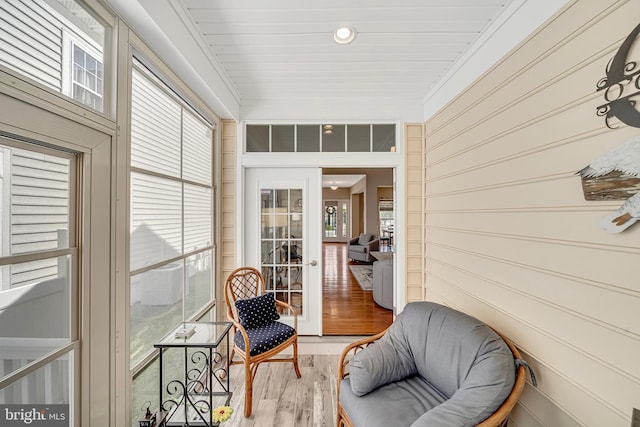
(264, 338)
(257, 311)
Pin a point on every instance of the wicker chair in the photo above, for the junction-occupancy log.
(498, 419)
(242, 284)
(348, 352)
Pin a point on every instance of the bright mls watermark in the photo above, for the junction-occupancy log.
(34, 415)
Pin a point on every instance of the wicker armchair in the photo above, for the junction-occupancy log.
(499, 418)
(261, 343)
(348, 352)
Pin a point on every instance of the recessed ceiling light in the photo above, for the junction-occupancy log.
(344, 35)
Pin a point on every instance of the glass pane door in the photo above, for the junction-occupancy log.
(330, 219)
(282, 237)
(281, 244)
(336, 221)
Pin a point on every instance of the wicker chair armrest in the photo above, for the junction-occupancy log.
(502, 413)
(238, 327)
(293, 311)
(350, 351)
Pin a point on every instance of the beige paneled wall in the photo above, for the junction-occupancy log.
(414, 213)
(509, 237)
(228, 209)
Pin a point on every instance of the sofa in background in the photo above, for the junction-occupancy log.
(360, 247)
(433, 367)
(383, 283)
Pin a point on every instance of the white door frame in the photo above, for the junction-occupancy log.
(395, 160)
(310, 181)
(93, 317)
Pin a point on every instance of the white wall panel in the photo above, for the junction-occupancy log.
(511, 195)
(561, 291)
(510, 238)
(552, 226)
(555, 256)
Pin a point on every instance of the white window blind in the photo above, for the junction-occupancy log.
(155, 128)
(196, 153)
(197, 217)
(156, 220)
(171, 212)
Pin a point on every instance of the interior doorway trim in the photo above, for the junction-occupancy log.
(393, 160)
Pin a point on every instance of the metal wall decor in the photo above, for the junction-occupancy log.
(621, 85)
(616, 174)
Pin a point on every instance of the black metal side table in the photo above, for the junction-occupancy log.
(193, 352)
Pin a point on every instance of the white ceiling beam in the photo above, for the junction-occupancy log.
(517, 22)
(157, 23)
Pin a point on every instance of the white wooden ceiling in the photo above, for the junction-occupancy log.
(284, 49)
(277, 58)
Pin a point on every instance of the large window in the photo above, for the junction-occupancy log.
(38, 280)
(56, 43)
(171, 213)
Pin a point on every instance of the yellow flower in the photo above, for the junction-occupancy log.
(222, 413)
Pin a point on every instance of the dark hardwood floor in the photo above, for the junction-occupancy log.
(347, 309)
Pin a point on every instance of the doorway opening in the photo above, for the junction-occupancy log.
(352, 200)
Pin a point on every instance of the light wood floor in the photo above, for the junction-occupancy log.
(280, 399)
(347, 309)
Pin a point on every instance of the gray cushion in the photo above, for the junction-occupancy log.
(364, 239)
(387, 360)
(453, 348)
(459, 357)
(395, 404)
(358, 249)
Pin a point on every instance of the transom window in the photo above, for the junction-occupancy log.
(292, 138)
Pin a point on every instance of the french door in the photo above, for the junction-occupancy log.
(336, 221)
(282, 238)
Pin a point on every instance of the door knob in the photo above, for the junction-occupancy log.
(313, 263)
